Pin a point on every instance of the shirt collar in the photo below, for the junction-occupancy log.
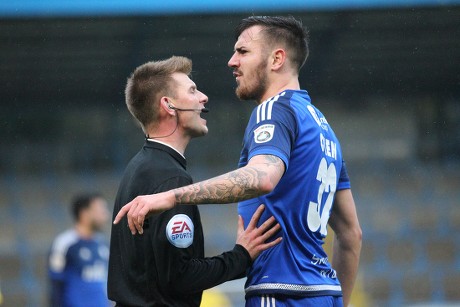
(163, 143)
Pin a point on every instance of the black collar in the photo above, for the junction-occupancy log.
(169, 150)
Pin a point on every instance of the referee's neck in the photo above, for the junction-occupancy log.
(169, 145)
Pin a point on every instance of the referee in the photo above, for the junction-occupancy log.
(165, 265)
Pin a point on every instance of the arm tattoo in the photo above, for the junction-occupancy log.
(238, 185)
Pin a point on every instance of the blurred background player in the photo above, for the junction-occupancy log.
(78, 259)
(165, 264)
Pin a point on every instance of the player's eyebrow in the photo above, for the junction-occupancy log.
(239, 49)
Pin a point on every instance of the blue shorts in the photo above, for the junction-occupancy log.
(278, 300)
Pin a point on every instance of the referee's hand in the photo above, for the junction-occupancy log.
(254, 238)
(142, 207)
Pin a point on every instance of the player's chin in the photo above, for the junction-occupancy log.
(243, 93)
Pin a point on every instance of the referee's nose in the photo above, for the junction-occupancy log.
(203, 98)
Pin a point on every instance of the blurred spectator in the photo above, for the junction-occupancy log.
(77, 264)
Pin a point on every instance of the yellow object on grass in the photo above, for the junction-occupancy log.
(215, 298)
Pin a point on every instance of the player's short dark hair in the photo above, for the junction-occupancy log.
(82, 202)
(285, 29)
(148, 83)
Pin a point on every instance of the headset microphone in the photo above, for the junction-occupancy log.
(203, 110)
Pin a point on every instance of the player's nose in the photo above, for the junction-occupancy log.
(233, 62)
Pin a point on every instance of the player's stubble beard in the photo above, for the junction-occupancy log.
(256, 89)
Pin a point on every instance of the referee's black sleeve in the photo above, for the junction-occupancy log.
(180, 270)
(199, 274)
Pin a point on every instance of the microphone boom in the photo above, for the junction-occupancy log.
(203, 110)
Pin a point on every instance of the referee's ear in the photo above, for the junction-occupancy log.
(166, 106)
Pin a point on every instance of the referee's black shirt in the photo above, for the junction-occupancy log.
(148, 270)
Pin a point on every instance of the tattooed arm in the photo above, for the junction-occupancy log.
(258, 177)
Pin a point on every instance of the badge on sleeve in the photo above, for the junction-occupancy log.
(264, 133)
(179, 231)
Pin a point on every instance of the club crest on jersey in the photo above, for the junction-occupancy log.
(180, 230)
(264, 133)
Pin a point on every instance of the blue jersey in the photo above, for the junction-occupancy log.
(290, 127)
(78, 271)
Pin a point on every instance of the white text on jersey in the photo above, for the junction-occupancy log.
(328, 147)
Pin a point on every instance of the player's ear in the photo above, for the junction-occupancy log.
(278, 58)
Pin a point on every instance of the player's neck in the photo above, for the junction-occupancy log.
(278, 86)
(84, 231)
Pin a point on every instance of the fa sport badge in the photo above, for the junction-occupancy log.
(180, 230)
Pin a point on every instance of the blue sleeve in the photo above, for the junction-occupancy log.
(57, 261)
(56, 293)
(344, 180)
(272, 131)
(56, 268)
